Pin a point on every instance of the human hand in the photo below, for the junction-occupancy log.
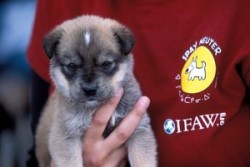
(110, 151)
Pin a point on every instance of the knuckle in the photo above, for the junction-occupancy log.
(98, 121)
(122, 135)
(93, 156)
(96, 162)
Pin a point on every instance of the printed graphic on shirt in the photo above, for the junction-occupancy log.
(198, 72)
(200, 122)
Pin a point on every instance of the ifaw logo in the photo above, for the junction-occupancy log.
(200, 122)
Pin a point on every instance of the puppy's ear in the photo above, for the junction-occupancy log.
(51, 41)
(125, 39)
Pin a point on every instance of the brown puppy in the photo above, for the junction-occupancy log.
(89, 60)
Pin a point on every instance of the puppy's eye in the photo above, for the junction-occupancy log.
(72, 67)
(107, 64)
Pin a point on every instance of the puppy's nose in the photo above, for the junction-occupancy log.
(89, 89)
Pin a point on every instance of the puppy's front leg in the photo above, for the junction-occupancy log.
(66, 152)
(142, 148)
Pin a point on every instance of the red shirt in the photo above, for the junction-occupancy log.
(192, 58)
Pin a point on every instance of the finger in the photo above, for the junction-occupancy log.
(128, 125)
(102, 116)
(117, 158)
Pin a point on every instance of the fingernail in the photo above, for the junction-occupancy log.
(144, 101)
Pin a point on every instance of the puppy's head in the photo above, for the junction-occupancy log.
(89, 58)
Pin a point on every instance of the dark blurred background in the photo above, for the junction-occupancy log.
(16, 20)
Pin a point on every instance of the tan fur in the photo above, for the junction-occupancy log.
(106, 39)
(43, 129)
(68, 112)
(119, 76)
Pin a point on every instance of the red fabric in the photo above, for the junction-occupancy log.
(212, 125)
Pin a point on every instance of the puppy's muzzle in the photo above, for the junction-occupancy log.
(89, 89)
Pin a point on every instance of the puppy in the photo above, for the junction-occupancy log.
(90, 58)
